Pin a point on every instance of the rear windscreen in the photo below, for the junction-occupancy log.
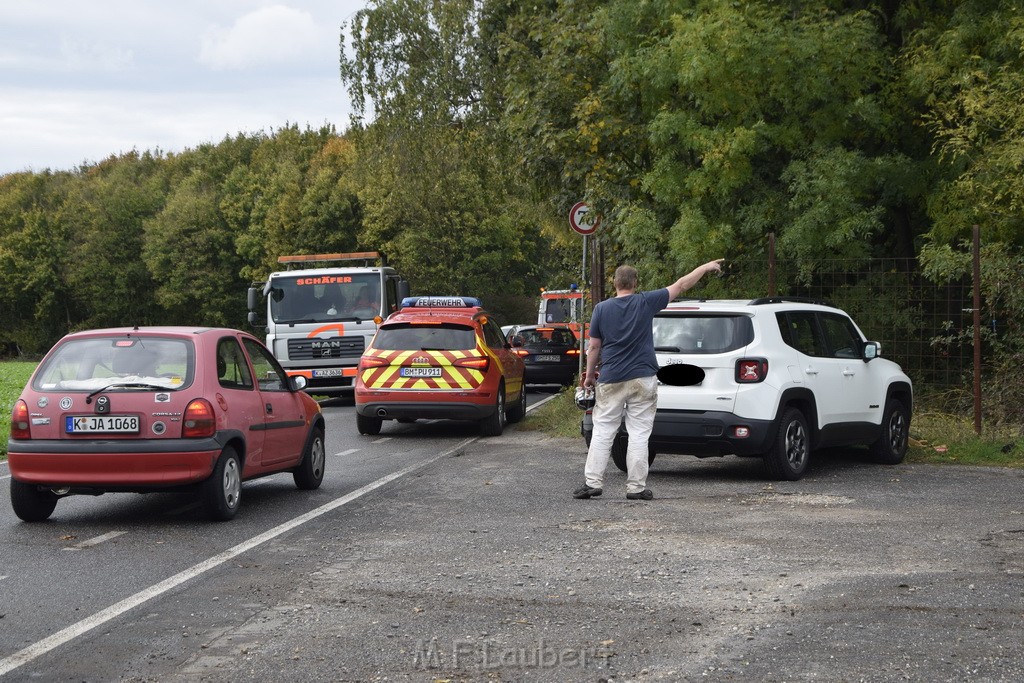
(414, 337)
(702, 333)
(94, 362)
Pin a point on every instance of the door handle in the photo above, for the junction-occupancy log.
(811, 370)
(847, 372)
(270, 409)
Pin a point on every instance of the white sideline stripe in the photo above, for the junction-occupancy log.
(3, 577)
(383, 439)
(348, 452)
(5, 476)
(65, 635)
(539, 404)
(95, 541)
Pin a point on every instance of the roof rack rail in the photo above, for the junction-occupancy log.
(790, 299)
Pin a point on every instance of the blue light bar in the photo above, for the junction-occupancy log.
(441, 302)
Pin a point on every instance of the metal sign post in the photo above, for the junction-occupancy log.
(585, 223)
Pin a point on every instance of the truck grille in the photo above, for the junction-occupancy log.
(333, 347)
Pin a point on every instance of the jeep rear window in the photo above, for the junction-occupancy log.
(701, 333)
(429, 337)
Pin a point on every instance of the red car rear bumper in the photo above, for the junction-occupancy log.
(131, 463)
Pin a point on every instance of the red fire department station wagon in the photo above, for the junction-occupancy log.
(440, 358)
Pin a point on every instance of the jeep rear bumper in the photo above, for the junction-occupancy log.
(705, 433)
(702, 433)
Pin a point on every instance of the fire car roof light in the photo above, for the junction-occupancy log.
(441, 302)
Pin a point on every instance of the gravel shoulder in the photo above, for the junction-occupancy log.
(482, 567)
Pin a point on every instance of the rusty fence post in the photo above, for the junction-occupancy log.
(976, 277)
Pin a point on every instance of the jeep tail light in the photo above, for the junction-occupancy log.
(751, 370)
(20, 421)
(199, 420)
(476, 362)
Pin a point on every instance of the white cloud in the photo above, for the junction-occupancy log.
(79, 55)
(269, 35)
(81, 81)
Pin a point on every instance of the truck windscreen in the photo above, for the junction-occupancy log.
(325, 297)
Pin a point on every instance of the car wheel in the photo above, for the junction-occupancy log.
(619, 447)
(891, 446)
(368, 425)
(222, 492)
(494, 424)
(310, 472)
(31, 504)
(791, 449)
(518, 411)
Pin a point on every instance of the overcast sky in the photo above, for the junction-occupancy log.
(83, 79)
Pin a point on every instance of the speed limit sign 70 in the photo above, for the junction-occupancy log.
(582, 219)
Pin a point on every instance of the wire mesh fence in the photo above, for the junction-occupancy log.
(922, 325)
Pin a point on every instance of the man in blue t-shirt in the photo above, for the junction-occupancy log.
(622, 343)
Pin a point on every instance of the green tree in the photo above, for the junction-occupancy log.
(104, 210)
(968, 65)
(439, 190)
(35, 306)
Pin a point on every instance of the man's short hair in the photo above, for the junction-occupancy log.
(625, 277)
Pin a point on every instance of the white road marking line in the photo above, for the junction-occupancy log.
(3, 577)
(95, 541)
(538, 405)
(5, 476)
(348, 452)
(68, 634)
(382, 440)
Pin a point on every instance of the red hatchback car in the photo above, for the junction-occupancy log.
(160, 409)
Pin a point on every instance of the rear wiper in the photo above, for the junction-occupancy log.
(667, 349)
(122, 385)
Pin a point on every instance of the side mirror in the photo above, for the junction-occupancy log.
(871, 350)
(297, 382)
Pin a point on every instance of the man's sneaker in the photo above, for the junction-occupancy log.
(587, 492)
(646, 494)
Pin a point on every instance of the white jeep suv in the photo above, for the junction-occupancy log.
(773, 378)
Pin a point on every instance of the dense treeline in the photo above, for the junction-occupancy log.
(848, 129)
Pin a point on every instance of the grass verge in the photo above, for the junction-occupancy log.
(13, 377)
(936, 437)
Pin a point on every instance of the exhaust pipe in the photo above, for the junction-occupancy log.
(382, 412)
(61, 491)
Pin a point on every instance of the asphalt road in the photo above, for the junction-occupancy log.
(476, 564)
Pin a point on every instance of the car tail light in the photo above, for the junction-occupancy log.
(521, 352)
(751, 370)
(476, 362)
(20, 421)
(572, 352)
(199, 420)
(367, 362)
